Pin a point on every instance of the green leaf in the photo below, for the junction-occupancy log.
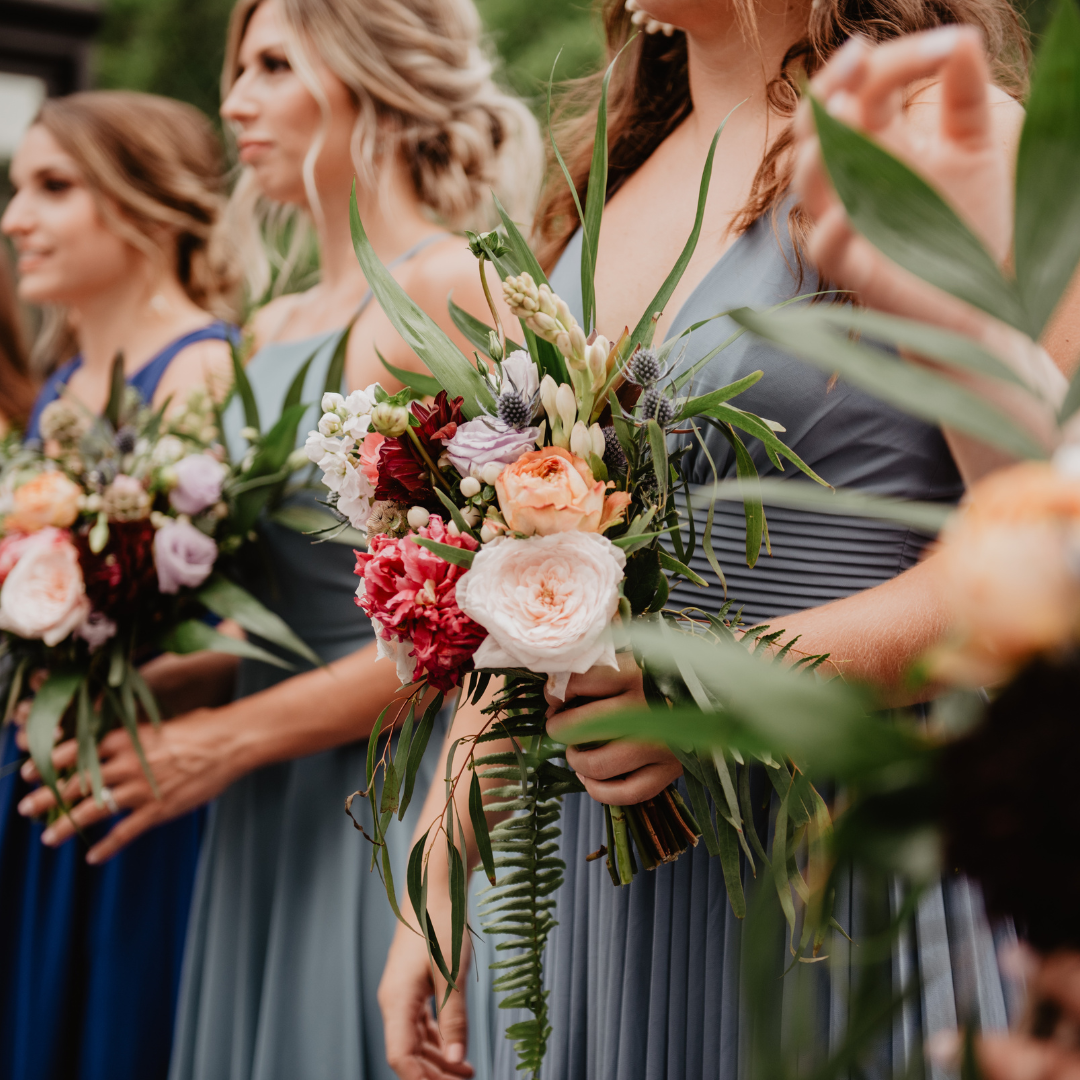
(643, 332)
(417, 748)
(243, 388)
(455, 514)
(697, 405)
(659, 457)
(901, 215)
(672, 565)
(228, 600)
(125, 708)
(910, 387)
(87, 761)
(846, 502)
(50, 704)
(296, 387)
(418, 330)
(335, 372)
(1047, 233)
(145, 696)
(457, 556)
(595, 198)
(193, 635)
(117, 386)
(475, 330)
(459, 902)
(1072, 398)
(423, 384)
(480, 827)
(753, 513)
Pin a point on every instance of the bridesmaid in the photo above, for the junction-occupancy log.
(289, 928)
(644, 980)
(113, 218)
(17, 388)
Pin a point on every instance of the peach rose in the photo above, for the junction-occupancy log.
(49, 499)
(551, 491)
(44, 596)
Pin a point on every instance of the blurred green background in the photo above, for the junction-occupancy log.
(175, 47)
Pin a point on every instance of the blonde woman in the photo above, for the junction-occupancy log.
(289, 927)
(113, 219)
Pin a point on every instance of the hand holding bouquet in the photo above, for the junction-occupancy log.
(116, 536)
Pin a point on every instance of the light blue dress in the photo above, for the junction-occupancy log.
(644, 980)
(289, 927)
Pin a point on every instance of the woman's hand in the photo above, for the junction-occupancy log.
(192, 761)
(417, 1046)
(928, 99)
(620, 773)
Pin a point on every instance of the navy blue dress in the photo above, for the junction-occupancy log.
(90, 956)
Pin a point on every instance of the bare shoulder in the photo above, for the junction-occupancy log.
(445, 267)
(203, 365)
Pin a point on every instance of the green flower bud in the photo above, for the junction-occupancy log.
(390, 420)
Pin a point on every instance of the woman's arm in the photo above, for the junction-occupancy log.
(196, 757)
(418, 1047)
(874, 636)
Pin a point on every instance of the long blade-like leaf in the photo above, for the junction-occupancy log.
(193, 635)
(421, 333)
(914, 389)
(903, 216)
(1047, 238)
(50, 704)
(422, 384)
(475, 330)
(242, 385)
(230, 601)
(117, 386)
(643, 332)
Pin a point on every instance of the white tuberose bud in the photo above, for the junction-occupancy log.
(566, 404)
(470, 486)
(417, 517)
(580, 441)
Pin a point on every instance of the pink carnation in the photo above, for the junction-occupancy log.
(369, 456)
(411, 596)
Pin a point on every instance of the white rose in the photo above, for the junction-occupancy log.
(44, 596)
(546, 603)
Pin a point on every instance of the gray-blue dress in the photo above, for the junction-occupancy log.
(289, 928)
(644, 980)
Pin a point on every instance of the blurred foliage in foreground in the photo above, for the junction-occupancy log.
(176, 47)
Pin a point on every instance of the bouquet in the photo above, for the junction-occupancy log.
(118, 537)
(514, 505)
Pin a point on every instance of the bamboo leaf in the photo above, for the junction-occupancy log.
(480, 827)
(1047, 233)
(418, 330)
(695, 405)
(904, 217)
(417, 749)
(50, 703)
(913, 388)
(193, 635)
(457, 556)
(228, 600)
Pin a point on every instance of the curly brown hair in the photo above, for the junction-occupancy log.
(649, 94)
(17, 388)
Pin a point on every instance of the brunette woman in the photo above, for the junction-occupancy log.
(113, 218)
(644, 980)
(16, 386)
(289, 928)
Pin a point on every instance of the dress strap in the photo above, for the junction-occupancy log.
(146, 379)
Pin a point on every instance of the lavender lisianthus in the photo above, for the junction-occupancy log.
(485, 439)
(183, 556)
(198, 483)
(520, 374)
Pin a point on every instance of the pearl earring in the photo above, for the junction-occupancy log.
(640, 17)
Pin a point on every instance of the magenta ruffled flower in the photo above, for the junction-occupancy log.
(410, 594)
(479, 442)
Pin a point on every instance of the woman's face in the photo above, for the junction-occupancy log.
(277, 118)
(67, 252)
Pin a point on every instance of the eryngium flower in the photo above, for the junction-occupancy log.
(656, 405)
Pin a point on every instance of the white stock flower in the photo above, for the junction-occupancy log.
(355, 495)
(546, 603)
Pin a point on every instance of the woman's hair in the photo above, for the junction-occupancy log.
(155, 169)
(649, 94)
(423, 89)
(16, 387)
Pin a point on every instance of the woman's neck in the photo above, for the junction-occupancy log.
(142, 314)
(393, 219)
(729, 69)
